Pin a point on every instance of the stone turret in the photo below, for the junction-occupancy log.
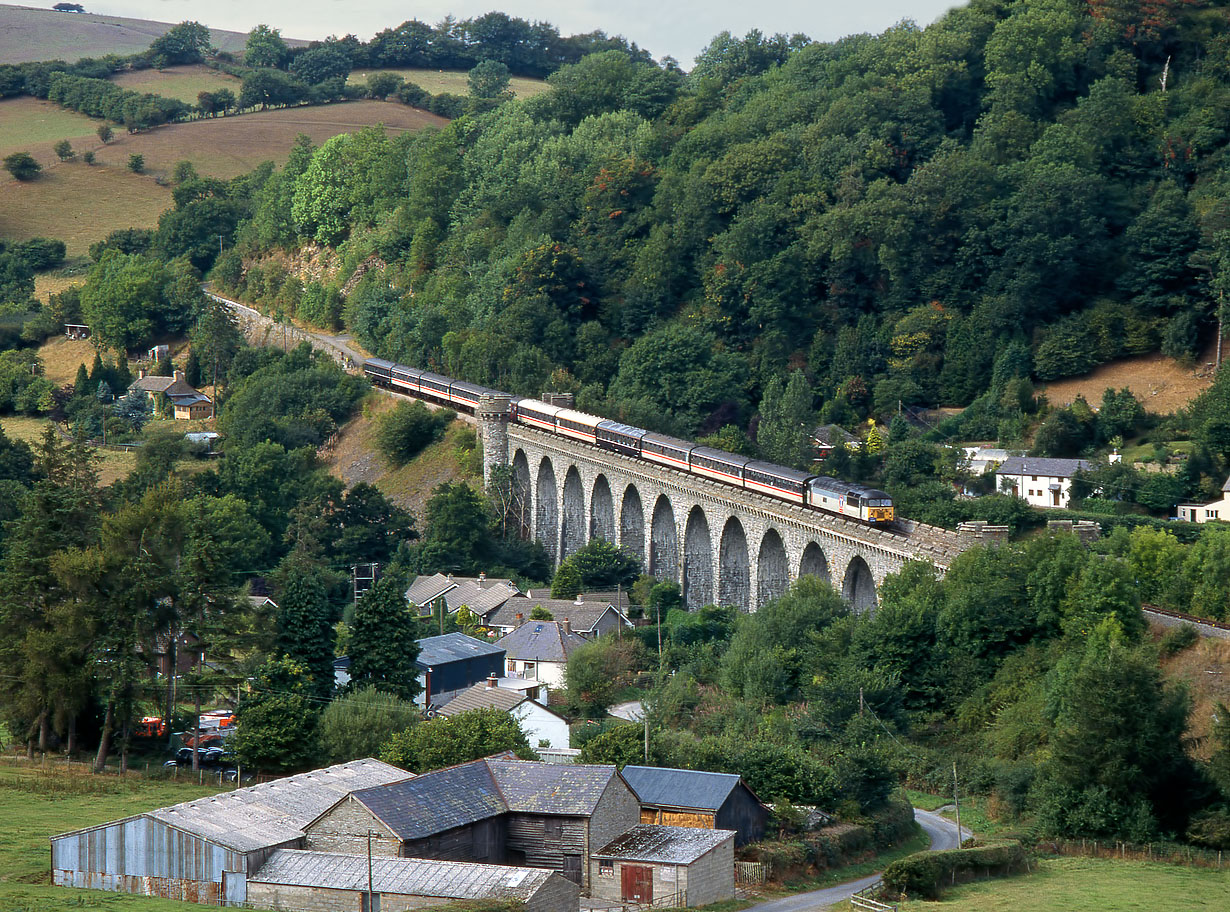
(493, 413)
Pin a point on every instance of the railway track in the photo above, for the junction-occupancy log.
(1188, 618)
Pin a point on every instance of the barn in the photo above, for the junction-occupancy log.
(205, 850)
(694, 798)
(665, 866)
(307, 881)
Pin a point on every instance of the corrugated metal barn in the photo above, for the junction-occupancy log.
(204, 850)
(308, 881)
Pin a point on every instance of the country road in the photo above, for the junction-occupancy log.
(943, 833)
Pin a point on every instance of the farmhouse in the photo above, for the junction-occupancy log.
(666, 866)
(205, 850)
(1038, 481)
(325, 881)
(1207, 512)
(186, 402)
(453, 662)
(494, 811)
(539, 650)
(542, 726)
(693, 798)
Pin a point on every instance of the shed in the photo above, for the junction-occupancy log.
(665, 866)
(204, 850)
(694, 798)
(326, 881)
(452, 662)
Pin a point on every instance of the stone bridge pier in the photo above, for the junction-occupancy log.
(721, 544)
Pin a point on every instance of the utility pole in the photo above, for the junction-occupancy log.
(956, 802)
(645, 719)
(370, 891)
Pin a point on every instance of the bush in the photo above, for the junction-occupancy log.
(22, 166)
(1176, 639)
(136, 163)
(359, 724)
(409, 429)
(923, 874)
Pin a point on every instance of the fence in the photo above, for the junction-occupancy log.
(1168, 852)
(865, 899)
(752, 872)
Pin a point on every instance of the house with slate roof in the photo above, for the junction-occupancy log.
(665, 866)
(694, 798)
(453, 662)
(585, 618)
(186, 402)
(480, 594)
(206, 849)
(492, 811)
(1207, 512)
(539, 650)
(1039, 481)
(543, 727)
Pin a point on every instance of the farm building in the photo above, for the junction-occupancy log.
(495, 811)
(453, 662)
(205, 850)
(542, 726)
(539, 650)
(308, 881)
(692, 798)
(665, 866)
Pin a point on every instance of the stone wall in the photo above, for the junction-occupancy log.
(711, 878)
(345, 828)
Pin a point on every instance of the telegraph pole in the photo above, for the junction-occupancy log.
(956, 802)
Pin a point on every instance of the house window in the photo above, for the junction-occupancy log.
(530, 671)
(606, 869)
(1033, 477)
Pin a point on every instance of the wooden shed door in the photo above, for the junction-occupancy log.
(572, 868)
(637, 884)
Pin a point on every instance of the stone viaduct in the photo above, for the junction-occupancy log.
(721, 544)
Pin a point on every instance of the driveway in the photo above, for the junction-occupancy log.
(633, 711)
(943, 833)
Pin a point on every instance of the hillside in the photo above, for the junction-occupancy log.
(29, 34)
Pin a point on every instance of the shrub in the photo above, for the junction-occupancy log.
(924, 873)
(1176, 639)
(409, 429)
(136, 163)
(22, 166)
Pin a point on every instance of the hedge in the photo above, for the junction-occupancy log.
(925, 873)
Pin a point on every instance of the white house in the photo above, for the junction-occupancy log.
(1209, 512)
(539, 650)
(542, 726)
(1039, 481)
(983, 459)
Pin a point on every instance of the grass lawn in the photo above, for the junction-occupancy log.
(1090, 885)
(182, 82)
(38, 804)
(80, 204)
(454, 82)
(974, 817)
(927, 801)
(33, 125)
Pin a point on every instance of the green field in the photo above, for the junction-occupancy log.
(455, 82)
(28, 123)
(1090, 885)
(38, 804)
(184, 82)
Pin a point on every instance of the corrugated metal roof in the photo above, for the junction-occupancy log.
(436, 801)
(540, 641)
(548, 788)
(480, 696)
(452, 647)
(664, 844)
(409, 876)
(272, 813)
(680, 788)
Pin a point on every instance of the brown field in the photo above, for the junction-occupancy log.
(80, 204)
(62, 356)
(182, 82)
(229, 146)
(1204, 669)
(455, 82)
(29, 34)
(112, 464)
(49, 283)
(1162, 384)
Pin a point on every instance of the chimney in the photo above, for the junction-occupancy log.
(492, 681)
(578, 601)
(567, 626)
(482, 577)
(520, 618)
(140, 373)
(177, 375)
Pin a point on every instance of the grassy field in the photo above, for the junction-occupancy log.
(62, 356)
(112, 464)
(49, 283)
(182, 82)
(33, 125)
(80, 204)
(455, 82)
(1090, 885)
(40, 34)
(38, 804)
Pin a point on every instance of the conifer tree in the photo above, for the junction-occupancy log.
(382, 643)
